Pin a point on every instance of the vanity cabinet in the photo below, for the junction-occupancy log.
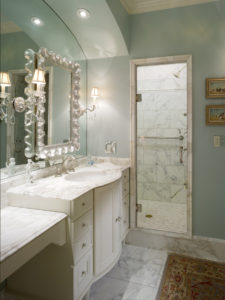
(107, 226)
(125, 203)
(81, 235)
(97, 223)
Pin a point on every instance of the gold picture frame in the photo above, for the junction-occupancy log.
(215, 114)
(215, 88)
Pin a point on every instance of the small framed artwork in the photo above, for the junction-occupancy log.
(215, 114)
(215, 88)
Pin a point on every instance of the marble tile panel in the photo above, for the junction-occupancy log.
(162, 71)
(161, 84)
(178, 193)
(201, 247)
(170, 174)
(140, 190)
(172, 100)
(144, 254)
(116, 289)
(166, 216)
(157, 120)
(135, 271)
(178, 120)
(146, 173)
(149, 101)
(156, 192)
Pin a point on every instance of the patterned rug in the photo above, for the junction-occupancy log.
(187, 278)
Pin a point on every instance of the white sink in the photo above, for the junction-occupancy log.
(86, 175)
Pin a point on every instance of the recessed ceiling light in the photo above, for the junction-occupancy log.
(83, 13)
(36, 21)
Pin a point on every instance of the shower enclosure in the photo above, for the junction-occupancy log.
(161, 147)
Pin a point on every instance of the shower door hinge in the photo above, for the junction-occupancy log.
(138, 207)
(138, 97)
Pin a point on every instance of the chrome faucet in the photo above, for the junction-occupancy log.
(69, 164)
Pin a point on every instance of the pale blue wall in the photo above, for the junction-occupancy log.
(198, 30)
(110, 121)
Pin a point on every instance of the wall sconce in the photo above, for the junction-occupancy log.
(4, 96)
(38, 81)
(94, 96)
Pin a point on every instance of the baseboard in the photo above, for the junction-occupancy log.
(196, 246)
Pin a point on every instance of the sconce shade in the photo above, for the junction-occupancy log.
(94, 92)
(4, 79)
(39, 77)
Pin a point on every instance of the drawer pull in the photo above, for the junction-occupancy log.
(83, 273)
(118, 219)
(83, 245)
(83, 225)
(83, 203)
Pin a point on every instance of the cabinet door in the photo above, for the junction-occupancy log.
(117, 216)
(107, 226)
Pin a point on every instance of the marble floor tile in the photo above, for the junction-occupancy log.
(115, 289)
(136, 276)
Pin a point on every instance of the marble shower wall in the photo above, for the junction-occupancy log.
(162, 113)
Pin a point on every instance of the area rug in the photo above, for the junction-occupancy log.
(187, 278)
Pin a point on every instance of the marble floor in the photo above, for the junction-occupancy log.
(136, 276)
(166, 216)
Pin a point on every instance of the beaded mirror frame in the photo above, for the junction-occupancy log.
(41, 150)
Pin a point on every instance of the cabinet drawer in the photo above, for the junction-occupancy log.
(82, 246)
(125, 175)
(83, 224)
(125, 189)
(81, 205)
(83, 273)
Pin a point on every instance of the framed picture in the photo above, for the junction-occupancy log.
(215, 88)
(215, 114)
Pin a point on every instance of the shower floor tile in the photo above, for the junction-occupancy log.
(166, 216)
(136, 276)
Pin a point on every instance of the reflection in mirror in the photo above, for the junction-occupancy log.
(57, 114)
(18, 33)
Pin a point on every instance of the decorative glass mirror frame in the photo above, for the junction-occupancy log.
(41, 150)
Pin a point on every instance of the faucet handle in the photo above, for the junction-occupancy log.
(70, 163)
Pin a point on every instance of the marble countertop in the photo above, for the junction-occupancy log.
(19, 226)
(64, 188)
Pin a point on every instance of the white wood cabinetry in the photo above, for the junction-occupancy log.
(125, 203)
(98, 222)
(107, 229)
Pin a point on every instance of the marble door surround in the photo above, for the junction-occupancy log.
(133, 144)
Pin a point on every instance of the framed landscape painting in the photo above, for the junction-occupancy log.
(215, 88)
(215, 114)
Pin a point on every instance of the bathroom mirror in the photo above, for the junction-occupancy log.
(20, 31)
(60, 112)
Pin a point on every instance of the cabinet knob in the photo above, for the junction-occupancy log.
(125, 203)
(83, 273)
(83, 203)
(83, 225)
(83, 245)
(124, 221)
(118, 219)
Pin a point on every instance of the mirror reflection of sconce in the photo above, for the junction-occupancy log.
(38, 93)
(5, 84)
(94, 96)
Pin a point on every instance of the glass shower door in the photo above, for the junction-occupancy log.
(162, 147)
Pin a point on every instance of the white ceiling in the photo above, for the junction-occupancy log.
(142, 6)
